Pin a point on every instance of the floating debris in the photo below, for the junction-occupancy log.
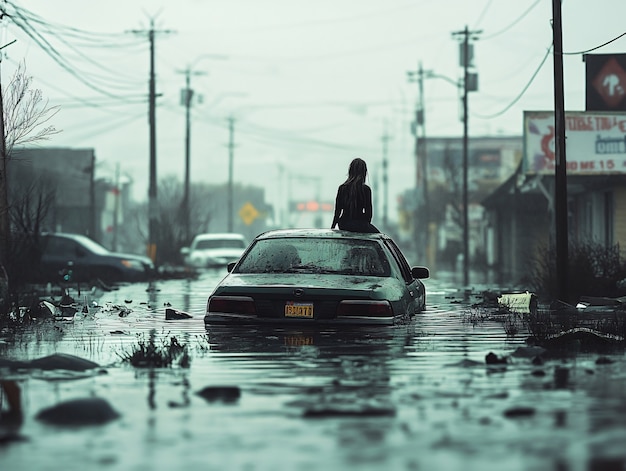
(519, 303)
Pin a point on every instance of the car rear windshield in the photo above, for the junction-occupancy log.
(220, 244)
(302, 255)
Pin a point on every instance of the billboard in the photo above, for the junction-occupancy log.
(595, 142)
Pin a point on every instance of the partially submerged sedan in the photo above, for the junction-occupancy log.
(319, 276)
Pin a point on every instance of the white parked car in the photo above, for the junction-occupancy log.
(214, 250)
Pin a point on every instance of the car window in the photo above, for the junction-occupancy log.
(83, 242)
(399, 257)
(61, 247)
(302, 255)
(77, 245)
(220, 244)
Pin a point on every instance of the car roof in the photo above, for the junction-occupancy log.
(66, 235)
(219, 235)
(320, 233)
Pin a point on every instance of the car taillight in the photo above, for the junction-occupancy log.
(364, 308)
(233, 304)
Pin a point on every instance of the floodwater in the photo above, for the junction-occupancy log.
(416, 397)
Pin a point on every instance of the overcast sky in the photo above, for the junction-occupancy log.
(310, 84)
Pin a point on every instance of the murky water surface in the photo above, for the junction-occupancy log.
(417, 397)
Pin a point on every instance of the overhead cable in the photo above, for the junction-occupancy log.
(517, 20)
(595, 48)
(517, 98)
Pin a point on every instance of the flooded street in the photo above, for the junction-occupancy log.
(415, 397)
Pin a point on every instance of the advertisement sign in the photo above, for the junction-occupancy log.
(595, 142)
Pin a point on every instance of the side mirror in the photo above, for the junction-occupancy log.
(184, 250)
(420, 273)
(230, 266)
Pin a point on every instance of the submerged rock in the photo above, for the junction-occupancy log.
(225, 394)
(519, 411)
(56, 361)
(343, 411)
(173, 314)
(79, 412)
(493, 359)
(63, 361)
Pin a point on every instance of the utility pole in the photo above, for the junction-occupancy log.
(153, 210)
(231, 156)
(560, 170)
(187, 99)
(421, 162)
(385, 139)
(467, 57)
(92, 198)
(116, 206)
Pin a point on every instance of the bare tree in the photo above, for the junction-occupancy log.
(23, 118)
(30, 207)
(25, 112)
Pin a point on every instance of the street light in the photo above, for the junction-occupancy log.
(467, 52)
(423, 239)
(186, 99)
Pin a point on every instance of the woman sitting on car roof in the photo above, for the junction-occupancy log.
(353, 204)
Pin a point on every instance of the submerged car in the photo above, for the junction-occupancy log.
(75, 257)
(214, 250)
(321, 276)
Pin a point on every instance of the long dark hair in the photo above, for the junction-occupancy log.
(357, 172)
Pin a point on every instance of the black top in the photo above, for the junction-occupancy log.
(345, 212)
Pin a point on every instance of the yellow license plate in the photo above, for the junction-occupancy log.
(298, 340)
(299, 310)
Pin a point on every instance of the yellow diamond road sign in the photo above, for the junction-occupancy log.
(248, 213)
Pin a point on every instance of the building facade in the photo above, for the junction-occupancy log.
(521, 213)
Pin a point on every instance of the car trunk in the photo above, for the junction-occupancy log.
(317, 293)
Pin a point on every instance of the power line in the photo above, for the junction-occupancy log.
(482, 13)
(24, 20)
(90, 38)
(534, 75)
(108, 126)
(595, 48)
(517, 20)
(53, 53)
(518, 97)
(102, 105)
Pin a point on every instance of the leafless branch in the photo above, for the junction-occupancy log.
(26, 113)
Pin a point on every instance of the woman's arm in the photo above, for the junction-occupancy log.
(337, 209)
(368, 203)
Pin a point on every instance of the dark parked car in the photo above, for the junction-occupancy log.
(319, 276)
(78, 258)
